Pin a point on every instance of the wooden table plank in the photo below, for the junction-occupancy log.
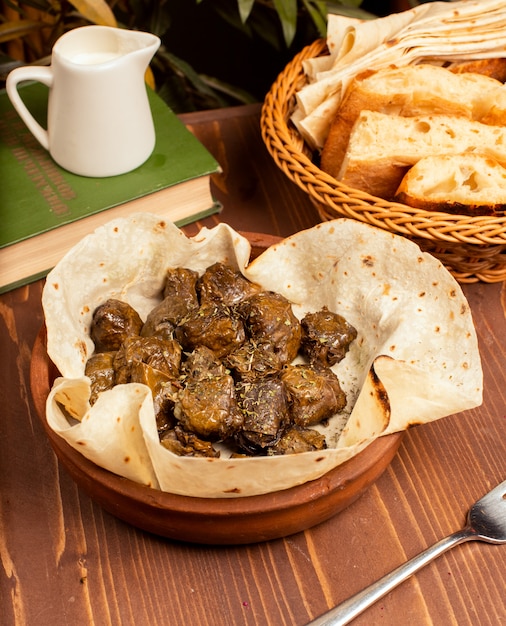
(67, 562)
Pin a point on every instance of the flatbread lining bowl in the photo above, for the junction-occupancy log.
(416, 358)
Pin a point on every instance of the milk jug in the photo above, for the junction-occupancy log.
(99, 119)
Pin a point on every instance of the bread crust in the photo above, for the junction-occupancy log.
(469, 184)
(454, 208)
(494, 68)
(380, 178)
(408, 92)
(383, 147)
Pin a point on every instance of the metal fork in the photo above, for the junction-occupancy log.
(486, 521)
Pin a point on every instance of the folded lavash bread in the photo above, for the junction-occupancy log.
(383, 147)
(467, 183)
(409, 91)
(415, 359)
(445, 32)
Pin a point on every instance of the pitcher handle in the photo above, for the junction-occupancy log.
(41, 74)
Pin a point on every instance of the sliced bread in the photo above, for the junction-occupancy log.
(410, 91)
(468, 183)
(383, 147)
(494, 67)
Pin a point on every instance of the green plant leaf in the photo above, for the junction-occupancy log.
(233, 18)
(240, 96)
(184, 70)
(350, 8)
(145, 15)
(317, 10)
(287, 12)
(184, 89)
(245, 7)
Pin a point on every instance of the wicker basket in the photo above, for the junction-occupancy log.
(472, 248)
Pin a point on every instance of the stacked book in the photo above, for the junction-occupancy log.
(45, 210)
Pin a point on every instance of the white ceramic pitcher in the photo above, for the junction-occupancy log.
(99, 119)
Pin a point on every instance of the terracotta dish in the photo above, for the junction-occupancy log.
(213, 520)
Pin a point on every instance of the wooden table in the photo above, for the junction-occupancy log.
(67, 562)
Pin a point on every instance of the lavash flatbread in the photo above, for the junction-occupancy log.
(416, 344)
(447, 31)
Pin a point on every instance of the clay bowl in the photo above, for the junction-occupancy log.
(213, 520)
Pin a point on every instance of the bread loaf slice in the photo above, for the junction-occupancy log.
(383, 147)
(494, 67)
(468, 183)
(409, 91)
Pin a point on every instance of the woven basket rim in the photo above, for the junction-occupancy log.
(290, 152)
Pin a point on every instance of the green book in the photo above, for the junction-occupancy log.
(45, 210)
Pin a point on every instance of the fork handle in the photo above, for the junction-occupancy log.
(349, 609)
